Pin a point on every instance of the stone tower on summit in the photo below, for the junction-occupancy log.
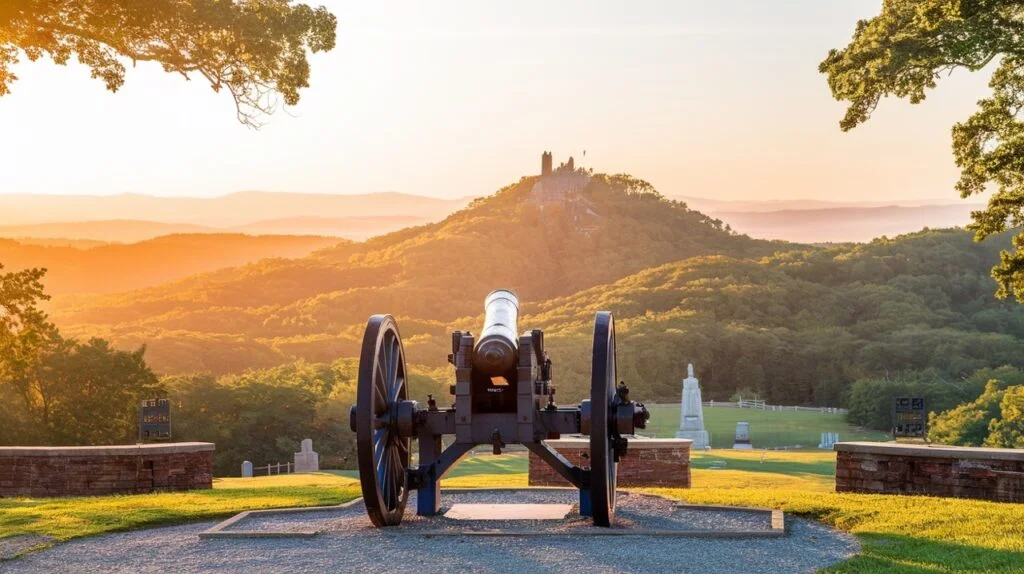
(555, 184)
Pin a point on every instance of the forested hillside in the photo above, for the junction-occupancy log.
(800, 326)
(269, 312)
(793, 324)
(115, 267)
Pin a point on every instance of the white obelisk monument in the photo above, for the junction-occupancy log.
(691, 415)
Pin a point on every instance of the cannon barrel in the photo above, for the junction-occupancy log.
(496, 351)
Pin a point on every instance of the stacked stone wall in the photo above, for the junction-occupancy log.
(890, 468)
(649, 462)
(88, 471)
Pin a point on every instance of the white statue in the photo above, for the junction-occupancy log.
(691, 413)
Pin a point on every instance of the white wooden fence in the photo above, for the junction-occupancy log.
(763, 406)
(272, 469)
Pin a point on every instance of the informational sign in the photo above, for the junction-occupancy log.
(155, 419)
(909, 417)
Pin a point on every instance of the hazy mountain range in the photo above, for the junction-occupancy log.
(128, 218)
(136, 217)
(815, 221)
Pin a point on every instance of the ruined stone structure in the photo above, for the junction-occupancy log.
(545, 163)
(559, 184)
(651, 462)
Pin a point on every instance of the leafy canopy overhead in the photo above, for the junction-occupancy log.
(904, 51)
(254, 49)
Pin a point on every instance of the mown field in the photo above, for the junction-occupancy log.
(767, 429)
(898, 534)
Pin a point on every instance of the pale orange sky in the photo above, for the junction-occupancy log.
(711, 99)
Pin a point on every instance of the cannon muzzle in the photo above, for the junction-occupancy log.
(498, 348)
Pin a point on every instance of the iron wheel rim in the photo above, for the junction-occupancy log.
(602, 393)
(383, 455)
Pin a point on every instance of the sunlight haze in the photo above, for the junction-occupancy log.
(718, 100)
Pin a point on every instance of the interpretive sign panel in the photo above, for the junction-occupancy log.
(155, 419)
(909, 417)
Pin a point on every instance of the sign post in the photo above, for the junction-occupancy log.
(909, 417)
(154, 419)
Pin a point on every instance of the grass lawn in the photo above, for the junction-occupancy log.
(66, 518)
(767, 428)
(898, 533)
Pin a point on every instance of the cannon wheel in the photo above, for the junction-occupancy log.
(383, 455)
(602, 393)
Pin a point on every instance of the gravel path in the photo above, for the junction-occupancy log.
(348, 544)
(14, 545)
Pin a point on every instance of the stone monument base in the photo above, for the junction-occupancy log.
(700, 438)
(742, 446)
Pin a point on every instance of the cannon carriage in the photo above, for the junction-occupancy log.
(504, 394)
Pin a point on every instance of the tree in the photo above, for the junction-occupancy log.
(968, 423)
(24, 333)
(1008, 430)
(254, 49)
(89, 393)
(904, 51)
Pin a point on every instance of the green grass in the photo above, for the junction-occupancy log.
(911, 534)
(67, 518)
(767, 429)
(820, 463)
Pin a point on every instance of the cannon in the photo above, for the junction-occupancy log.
(504, 394)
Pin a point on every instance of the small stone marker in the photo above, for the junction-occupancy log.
(508, 511)
(742, 440)
(306, 460)
(246, 469)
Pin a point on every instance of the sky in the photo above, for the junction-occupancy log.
(709, 99)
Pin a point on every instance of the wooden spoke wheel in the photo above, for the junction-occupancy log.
(602, 443)
(383, 454)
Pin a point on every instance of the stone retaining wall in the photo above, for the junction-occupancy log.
(649, 462)
(90, 470)
(937, 470)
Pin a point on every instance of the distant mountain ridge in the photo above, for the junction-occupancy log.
(137, 217)
(229, 210)
(846, 224)
(355, 228)
(816, 221)
(112, 268)
(711, 205)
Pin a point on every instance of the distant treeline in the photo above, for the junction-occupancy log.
(262, 415)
